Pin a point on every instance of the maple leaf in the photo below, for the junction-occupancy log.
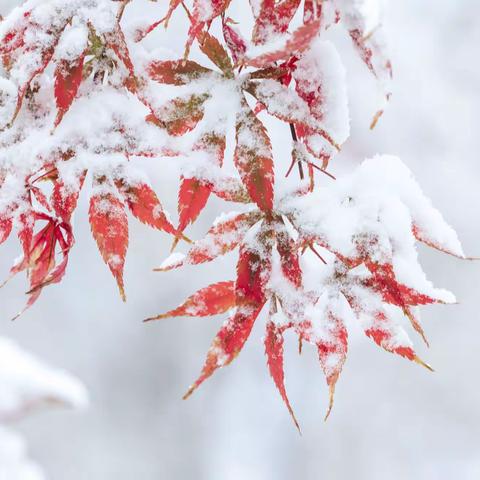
(312, 9)
(214, 50)
(176, 72)
(68, 77)
(211, 300)
(194, 192)
(109, 225)
(145, 205)
(273, 18)
(285, 104)
(181, 115)
(380, 327)
(39, 258)
(274, 352)
(16, 42)
(64, 200)
(192, 198)
(224, 236)
(299, 40)
(5, 229)
(288, 250)
(252, 275)
(234, 40)
(370, 44)
(332, 353)
(204, 11)
(253, 158)
(115, 39)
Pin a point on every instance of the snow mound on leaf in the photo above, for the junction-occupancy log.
(389, 175)
(26, 384)
(172, 261)
(374, 213)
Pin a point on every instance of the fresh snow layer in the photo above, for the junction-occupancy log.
(376, 208)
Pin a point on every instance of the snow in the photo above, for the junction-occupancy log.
(282, 102)
(176, 258)
(205, 9)
(320, 72)
(8, 97)
(364, 14)
(72, 43)
(14, 463)
(372, 211)
(363, 19)
(26, 384)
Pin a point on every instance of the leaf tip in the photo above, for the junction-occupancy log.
(189, 392)
(122, 291)
(375, 119)
(330, 401)
(174, 244)
(160, 269)
(418, 360)
(157, 317)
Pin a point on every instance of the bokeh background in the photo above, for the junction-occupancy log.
(391, 419)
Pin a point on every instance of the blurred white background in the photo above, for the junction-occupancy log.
(391, 419)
